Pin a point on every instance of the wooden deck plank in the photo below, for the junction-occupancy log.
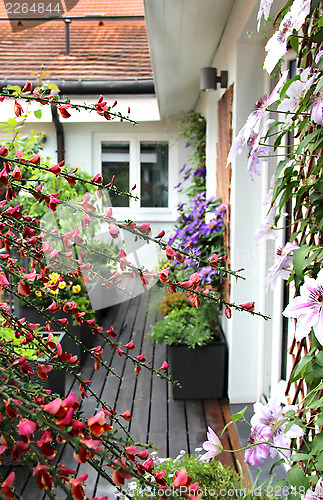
(158, 424)
(170, 424)
(177, 427)
(195, 424)
(236, 445)
(214, 418)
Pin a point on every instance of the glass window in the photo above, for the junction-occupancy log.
(154, 174)
(116, 161)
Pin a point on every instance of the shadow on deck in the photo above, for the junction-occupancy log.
(171, 425)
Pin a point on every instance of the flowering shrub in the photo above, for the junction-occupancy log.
(59, 262)
(172, 301)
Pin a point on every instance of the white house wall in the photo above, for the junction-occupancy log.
(249, 337)
(80, 151)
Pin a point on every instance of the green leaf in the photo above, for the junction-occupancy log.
(38, 113)
(281, 461)
(300, 366)
(296, 477)
(15, 88)
(293, 40)
(318, 37)
(319, 358)
(299, 260)
(320, 21)
(309, 138)
(53, 86)
(317, 443)
(300, 456)
(238, 416)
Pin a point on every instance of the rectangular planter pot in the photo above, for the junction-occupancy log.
(202, 371)
(82, 332)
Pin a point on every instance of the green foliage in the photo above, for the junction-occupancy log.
(31, 351)
(192, 128)
(188, 326)
(215, 480)
(173, 301)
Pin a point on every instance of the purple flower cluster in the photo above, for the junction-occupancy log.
(201, 237)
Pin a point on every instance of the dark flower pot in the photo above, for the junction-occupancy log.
(201, 371)
(55, 382)
(82, 332)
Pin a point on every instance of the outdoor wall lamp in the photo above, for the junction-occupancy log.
(209, 79)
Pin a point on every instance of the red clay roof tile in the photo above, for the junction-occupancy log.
(106, 49)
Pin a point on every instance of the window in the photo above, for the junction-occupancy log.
(116, 161)
(141, 162)
(154, 174)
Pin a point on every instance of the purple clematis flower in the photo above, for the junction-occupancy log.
(269, 415)
(317, 494)
(308, 308)
(213, 446)
(317, 109)
(282, 268)
(259, 449)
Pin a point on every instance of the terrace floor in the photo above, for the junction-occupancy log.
(171, 425)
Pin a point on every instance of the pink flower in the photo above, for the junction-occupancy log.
(317, 494)
(317, 109)
(213, 446)
(259, 449)
(308, 308)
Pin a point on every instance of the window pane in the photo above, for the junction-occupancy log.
(115, 161)
(154, 174)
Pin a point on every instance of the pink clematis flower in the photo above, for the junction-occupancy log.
(282, 268)
(308, 308)
(269, 415)
(213, 446)
(317, 108)
(259, 448)
(317, 494)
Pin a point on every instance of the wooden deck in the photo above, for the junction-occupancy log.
(171, 425)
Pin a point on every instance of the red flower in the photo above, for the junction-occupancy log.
(164, 366)
(18, 109)
(16, 173)
(170, 253)
(126, 415)
(249, 306)
(44, 479)
(63, 110)
(227, 312)
(77, 489)
(98, 425)
(163, 275)
(28, 87)
(114, 231)
(23, 288)
(3, 280)
(144, 228)
(5, 487)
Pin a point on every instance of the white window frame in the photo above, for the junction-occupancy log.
(137, 212)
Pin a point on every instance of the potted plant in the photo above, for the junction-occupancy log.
(57, 289)
(197, 350)
(55, 380)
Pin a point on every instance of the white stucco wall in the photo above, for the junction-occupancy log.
(81, 131)
(248, 337)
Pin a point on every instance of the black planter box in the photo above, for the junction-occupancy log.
(81, 332)
(202, 371)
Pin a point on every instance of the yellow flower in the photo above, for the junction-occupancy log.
(76, 288)
(37, 293)
(54, 277)
(54, 292)
(62, 285)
